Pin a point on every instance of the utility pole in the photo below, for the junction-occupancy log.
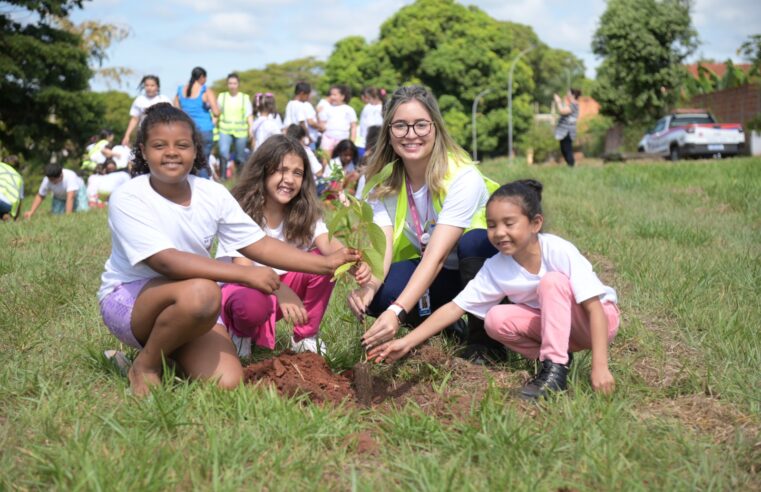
(475, 132)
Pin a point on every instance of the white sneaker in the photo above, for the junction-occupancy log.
(309, 344)
(242, 345)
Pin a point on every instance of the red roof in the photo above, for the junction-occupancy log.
(719, 69)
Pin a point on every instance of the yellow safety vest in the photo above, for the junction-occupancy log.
(403, 249)
(11, 187)
(232, 116)
(89, 163)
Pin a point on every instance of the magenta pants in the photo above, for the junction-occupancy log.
(251, 313)
(558, 327)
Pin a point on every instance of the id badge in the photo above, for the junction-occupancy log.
(424, 304)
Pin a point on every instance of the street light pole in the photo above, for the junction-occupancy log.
(510, 103)
(475, 133)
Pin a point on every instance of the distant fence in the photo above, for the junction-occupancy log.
(736, 105)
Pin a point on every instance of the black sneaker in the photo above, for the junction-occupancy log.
(551, 377)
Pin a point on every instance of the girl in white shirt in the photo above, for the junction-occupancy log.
(340, 119)
(559, 304)
(151, 86)
(268, 122)
(371, 115)
(159, 291)
(277, 191)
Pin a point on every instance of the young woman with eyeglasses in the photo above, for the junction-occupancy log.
(429, 200)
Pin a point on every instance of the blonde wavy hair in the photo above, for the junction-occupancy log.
(444, 146)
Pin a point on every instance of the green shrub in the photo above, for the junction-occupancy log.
(540, 138)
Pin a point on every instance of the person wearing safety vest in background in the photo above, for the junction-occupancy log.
(429, 199)
(236, 120)
(11, 189)
(98, 152)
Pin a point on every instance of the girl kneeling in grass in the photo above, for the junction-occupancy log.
(559, 304)
(159, 291)
(277, 190)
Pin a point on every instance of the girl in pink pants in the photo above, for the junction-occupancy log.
(558, 305)
(277, 190)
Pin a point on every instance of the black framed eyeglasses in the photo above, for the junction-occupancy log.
(400, 129)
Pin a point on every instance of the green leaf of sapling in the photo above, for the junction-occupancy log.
(341, 270)
(377, 238)
(375, 261)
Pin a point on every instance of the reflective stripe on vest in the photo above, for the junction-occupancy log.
(89, 163)
(11, 185)
(403, 248)
(232, 117)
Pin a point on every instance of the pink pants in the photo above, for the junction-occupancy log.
(559, 326)
(248, 312)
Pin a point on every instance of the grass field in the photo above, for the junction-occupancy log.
(680, 242)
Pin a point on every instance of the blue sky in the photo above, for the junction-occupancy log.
(168, 38)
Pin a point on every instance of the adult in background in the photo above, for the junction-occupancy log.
(429, 200)
(565, 131)
(68, 190)
(197, 100)
(11, 188)
(150, 86)
(236, 122)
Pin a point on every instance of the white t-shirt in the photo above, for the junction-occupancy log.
(265, 127)
(371, 115)
(121, 155)
(143, 102)
(70, 182)
(93, 183)
(226, 254)
(338, 120)
(501, 276)
(294, 113)
(142, 223)
(110, 182)
(466, 196)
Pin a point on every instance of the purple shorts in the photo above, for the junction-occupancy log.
(116, 309)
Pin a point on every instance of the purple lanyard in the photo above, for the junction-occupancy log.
(416, 217)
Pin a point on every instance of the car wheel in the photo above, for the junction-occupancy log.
(641, 150)
(674, 154)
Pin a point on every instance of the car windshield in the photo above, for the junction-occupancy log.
(690, 119)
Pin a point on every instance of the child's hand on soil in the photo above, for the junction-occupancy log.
(389, 351)
(261, 278)
(291, 306)
(362, 273)
(602, 380)
(384, 329)
(359, 299)
(338, 258)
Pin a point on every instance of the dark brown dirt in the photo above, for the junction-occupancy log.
(430, 378)
(301, 374)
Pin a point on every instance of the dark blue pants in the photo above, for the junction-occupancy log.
(446, 285)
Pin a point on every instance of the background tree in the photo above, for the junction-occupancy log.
(643, 44)
(458, 52)
(751, 50)
(46, 106)
(97, 38)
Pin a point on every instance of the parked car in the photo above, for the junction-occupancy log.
(692, 133)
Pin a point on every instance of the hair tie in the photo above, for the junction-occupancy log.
(268, 94)
(383, 92)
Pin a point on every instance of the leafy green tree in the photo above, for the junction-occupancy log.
(116, 106)
(46, 106)
(458, 52)
(97, 38)
(751, 49)
(643, 44)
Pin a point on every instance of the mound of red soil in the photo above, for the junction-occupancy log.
(299, 374)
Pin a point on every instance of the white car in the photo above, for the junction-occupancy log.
(692, 133)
